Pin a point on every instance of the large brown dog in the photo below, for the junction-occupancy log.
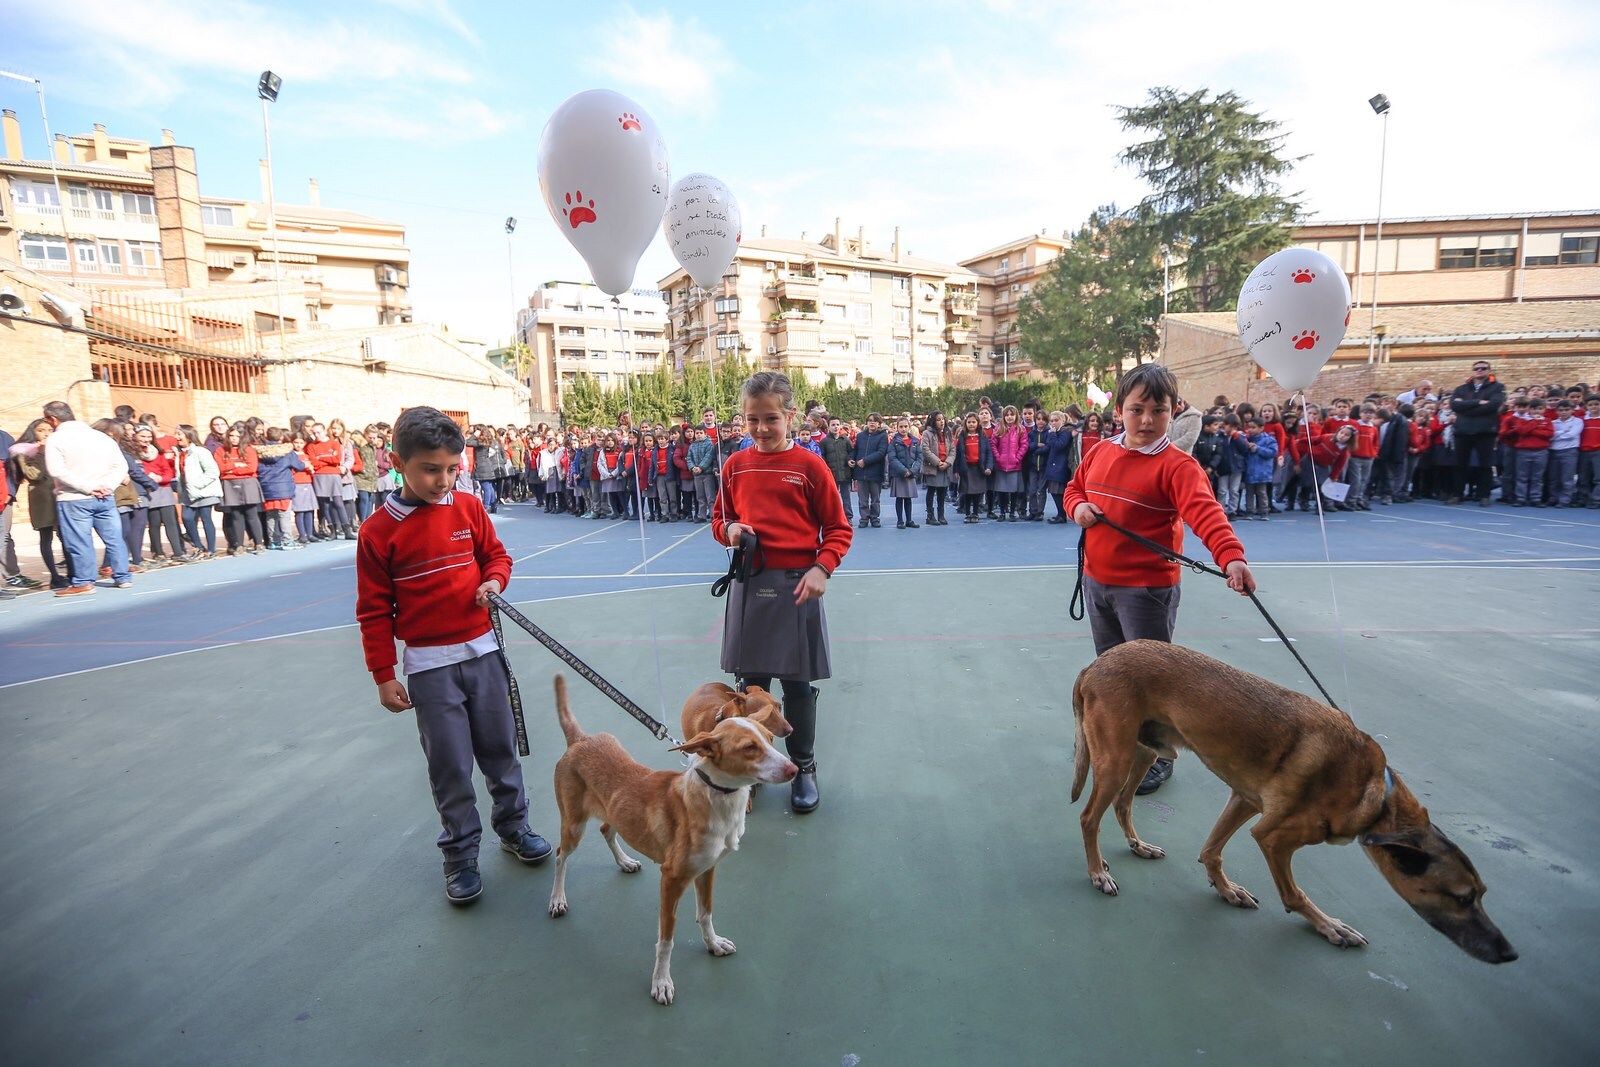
(1303, 766)
(684, 820)
(715, 701)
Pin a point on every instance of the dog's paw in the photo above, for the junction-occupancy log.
(661, 990)
(1342, 935)
(1237, 895)
(1104, 882)
(629, 865)
(558, 907)
(1146, 851)
(720, 946)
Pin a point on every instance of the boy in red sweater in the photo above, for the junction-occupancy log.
(1589, 451)
(426, 562)
(1529, 433)
(1139, 481)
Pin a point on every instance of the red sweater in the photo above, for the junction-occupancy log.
(1589, 439)
(325, 457)
(792, 503)
(1152, 495)
(418, 572)
(234, 464)
(1366, 443)
(1531, 434)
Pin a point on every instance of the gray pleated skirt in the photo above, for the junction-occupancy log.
(305, 497)
(765, 633)
(328, 485)
(936, 480)
(902, 488)
(1007, 481)
(974, 482)
(237, 491)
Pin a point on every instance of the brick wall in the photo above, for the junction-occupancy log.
(40, 363)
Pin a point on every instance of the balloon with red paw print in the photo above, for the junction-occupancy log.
(604, 176)
(1293, 312)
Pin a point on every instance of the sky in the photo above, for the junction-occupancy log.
(967, 124)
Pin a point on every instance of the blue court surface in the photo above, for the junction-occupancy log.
(220, 846)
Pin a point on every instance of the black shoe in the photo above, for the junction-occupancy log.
(864, 524)
(1059, 520)
(877, 525)
(911, 525)
(529, 847)
(970, 519)
(463, 886)
(803, 791)
(1158, 773)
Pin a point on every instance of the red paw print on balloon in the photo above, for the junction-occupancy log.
(629, 121)
(1303, 277)
(1306, 339)
(576, 211)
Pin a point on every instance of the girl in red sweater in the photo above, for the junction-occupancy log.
(241, 492)
(775, 626)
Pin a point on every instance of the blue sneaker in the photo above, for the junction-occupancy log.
(463, 886)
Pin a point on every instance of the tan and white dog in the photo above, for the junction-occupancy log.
(715, 701)
(684, 820)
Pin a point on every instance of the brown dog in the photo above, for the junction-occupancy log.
(1301, 765)
(714, 702)
(684, 820)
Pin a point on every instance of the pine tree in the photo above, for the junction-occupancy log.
(1214, 166)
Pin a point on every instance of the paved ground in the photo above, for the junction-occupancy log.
(220, 847)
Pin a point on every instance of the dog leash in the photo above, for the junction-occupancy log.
(497, 606)
(1076, 607)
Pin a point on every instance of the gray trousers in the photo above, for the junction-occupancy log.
(9, 568)
(1122, 613)
(464, 713)
(868, 498)
(1035, 488)
(705, 491)
(1530, 475)
(1563, 470)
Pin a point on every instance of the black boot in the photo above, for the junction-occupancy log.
(801, 711)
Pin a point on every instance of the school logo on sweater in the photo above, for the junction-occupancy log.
(461, 535)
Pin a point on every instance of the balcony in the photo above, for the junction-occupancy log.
(958, 333)
(798, 332)
(792, 286)
(958, 303)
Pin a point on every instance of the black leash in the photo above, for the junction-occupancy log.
(742, 565)
(1076, 607)
(497, 605)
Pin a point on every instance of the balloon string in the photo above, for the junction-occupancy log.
(638, 497)
(1327, 552)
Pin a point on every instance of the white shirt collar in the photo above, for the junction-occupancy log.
(1151, 449)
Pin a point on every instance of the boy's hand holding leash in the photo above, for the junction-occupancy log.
(1240, 580)
(491, 586)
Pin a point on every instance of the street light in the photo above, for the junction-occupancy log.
(1380, 106)
(267, 89)
(50, 156)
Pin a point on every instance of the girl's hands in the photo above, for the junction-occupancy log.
(811, 586)
(733, 531)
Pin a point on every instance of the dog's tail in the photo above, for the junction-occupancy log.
(569, 725)
(1080, 749)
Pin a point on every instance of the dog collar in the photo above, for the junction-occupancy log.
(719, 788)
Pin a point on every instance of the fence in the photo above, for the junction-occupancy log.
(211, 343)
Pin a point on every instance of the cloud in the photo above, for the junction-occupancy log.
(680, 64)
(442, 12)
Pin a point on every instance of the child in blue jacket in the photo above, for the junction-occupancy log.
(1261, 449)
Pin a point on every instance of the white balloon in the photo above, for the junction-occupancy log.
(703, 227)
(603, 172)
(1293, 312)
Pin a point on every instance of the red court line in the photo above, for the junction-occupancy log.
(288, 611)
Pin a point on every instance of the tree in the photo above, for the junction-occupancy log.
(1102, 298)
(1214, 167)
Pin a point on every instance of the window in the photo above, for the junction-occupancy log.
(568, 377)
(928, 322)
(728, 341)
(86, 254)
(38, 194)
(216, 215)
(599, 353)
(1579, 248)
(902, 284)
(930, 352)
(572, 353)
(861, 314)
(38, 248)
(602, 377)
(104, 201)
(572, 331)
(863, 346)
(79, 196)
(1454, 258)
(141, 204)
(902, 346)
(1005, 264)
(902, 377)
(902, 316)
(834, 313)
(111, 258)
(727, 305)
(143, 256)
(833, 278)
(860, 279)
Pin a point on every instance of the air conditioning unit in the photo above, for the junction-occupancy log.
(241, 260)
(369, 352)
(772, 350)
(387, 275)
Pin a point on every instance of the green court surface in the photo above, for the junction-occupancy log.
(227, 858)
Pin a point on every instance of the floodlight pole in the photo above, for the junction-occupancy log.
(55, 175)
(1380, 105)
(267, 90)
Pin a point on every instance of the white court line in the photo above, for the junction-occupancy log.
(346, 567)
(1497, 533)
(288, 574)
(147, 592)
(570, 540)
(230, 581)
(646, 563)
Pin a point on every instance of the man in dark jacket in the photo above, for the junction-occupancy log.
(836, 454)
(1391, 460)
(867, 460)
(1476, 404)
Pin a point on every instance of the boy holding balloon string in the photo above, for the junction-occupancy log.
(1139, 481)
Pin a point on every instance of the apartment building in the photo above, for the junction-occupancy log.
(572, 328)
(1009, 273)
(832, 309)
(129, 215)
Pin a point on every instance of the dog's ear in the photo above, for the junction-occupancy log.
(701, 744)
(733, 708)
(1404, 849)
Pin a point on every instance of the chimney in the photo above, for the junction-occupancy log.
(102, 144)
(63, 149)
(802, 235)
(897, 244)
(177, 194)
(315, 194)
(838, 235)
(12, 133)
(861, 241)
(167, 138)
(763, 229)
